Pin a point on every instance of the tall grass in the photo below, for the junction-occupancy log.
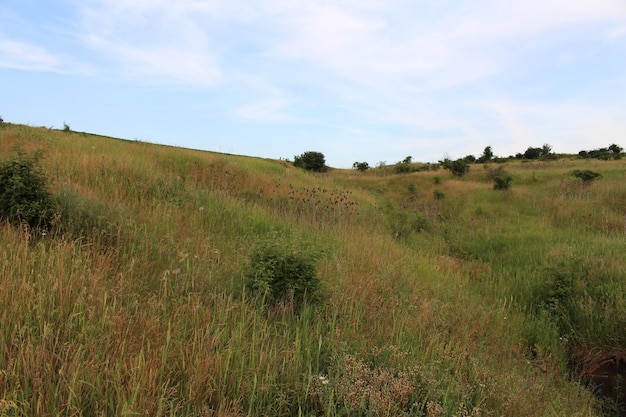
(136, 303)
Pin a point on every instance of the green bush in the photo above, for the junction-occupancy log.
(361, 166)
(586, 175)
(282, 273)
(459, 168)
(24, 198)
(502, 182)
(311, 161)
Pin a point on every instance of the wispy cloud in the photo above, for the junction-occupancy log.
(26, 56)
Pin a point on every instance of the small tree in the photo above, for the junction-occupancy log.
(311, 161)
(361, 166)
(486, 156)
(459, 168)
(24, 198)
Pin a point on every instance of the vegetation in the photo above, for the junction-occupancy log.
(282, 274)
(24, 198)
(361, 166)
(586, 175)
(143, 299)
(458, 168)
(311, 161)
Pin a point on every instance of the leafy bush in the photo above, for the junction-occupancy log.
(283, 273)
(361, 166)
(459, 168)
(502, 182)
(311, 161)
(586, 175)
(24, 198)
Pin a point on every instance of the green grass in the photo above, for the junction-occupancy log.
(470, 302)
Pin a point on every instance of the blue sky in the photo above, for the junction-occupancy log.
(358, 80)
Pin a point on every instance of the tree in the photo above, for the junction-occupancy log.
(616, 149)
(361, 166)
(459, 168)
(487, 155)
(533, 153)
(311, 161)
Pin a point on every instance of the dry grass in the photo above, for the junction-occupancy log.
(147, 314)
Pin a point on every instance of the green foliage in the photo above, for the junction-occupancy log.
(612, 152)
(311, 161)
(545, 152)
(502, 182)
(438, 194)
(500, 177)
(283, 273)
(586, 175)
(486, 156)
(66, 127)
(459, 168)
(24, 198)
(361, 166)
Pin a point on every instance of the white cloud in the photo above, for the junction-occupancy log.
(267, 110)
(158, 39)
(26, 56)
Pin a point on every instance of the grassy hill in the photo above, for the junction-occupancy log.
(440, 295)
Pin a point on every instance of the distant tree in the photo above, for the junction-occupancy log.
(470, 159)
(617, 150)
(311, 161)
(407, 160)
(487, 155)
(361, 166)
(459, 168)
(532, 153)
(66, 127)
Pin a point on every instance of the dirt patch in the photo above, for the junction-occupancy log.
(604, 372)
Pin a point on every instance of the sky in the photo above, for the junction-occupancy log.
(358, 80)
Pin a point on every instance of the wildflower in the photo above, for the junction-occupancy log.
(324, 380)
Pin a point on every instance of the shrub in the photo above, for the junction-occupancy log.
(311, 161)
(459, 168)
(586, 175)
(502, 182)
(438, 194)
(361, 166)
(283, 274)
(24, 198)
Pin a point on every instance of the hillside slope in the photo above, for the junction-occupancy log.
(441, 296)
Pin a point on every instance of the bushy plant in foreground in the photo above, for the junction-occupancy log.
(586, 175)
(24, 198)
(283, 273)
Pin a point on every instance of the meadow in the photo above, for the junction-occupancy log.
(440, 295)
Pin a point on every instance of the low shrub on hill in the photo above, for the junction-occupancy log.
(283, 274)
(24, 198)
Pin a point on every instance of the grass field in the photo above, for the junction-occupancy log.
(441, 295)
